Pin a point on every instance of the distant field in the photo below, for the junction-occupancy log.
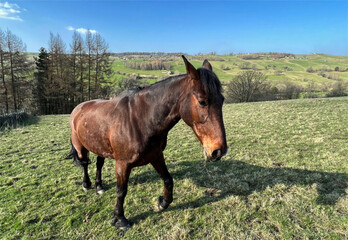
(292, 69)
(285, 177)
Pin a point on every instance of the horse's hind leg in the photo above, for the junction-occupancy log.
(80, 155)
(86, 184)
(98, 182)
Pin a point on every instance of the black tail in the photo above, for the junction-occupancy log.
(77, 161)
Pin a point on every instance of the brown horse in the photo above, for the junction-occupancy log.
(133, 127)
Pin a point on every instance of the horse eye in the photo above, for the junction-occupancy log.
(203, 103)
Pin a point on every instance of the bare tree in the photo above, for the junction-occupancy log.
(58, 92)
(247, 86)
(81, 49)
(78, 66)
(102, 64)
(19, 66)
(2, 66)
(90, 45)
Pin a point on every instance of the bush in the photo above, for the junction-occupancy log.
(310, 70)
(245, 65)
(333, 76)
(279, 72)
(12, 119)
(337, 91)
(310, 95)
(291, 91)
(223, 67)
(249, 86)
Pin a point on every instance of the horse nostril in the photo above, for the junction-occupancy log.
(216, 154)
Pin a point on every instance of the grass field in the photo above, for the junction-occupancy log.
(291, 69)
(285, 177)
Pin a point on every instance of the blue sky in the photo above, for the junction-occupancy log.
(300, 27)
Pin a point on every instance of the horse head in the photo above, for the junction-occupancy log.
(201, 109)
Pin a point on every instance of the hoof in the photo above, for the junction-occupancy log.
(121, 224)
(100, 190)
(123, 228)
(160, 208)
(85, 188)
(162, 204)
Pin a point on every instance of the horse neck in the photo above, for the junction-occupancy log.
(166, 101)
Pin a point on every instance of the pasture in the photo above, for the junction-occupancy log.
(278, 70)
(285, 177)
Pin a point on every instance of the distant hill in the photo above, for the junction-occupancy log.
(315, 70)
(318, 70)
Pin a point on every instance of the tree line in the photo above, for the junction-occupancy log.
(56, 80)
(14, 70)
(149, 65)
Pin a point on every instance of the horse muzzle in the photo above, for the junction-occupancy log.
(215, 156)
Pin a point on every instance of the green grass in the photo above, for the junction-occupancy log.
(285, 177)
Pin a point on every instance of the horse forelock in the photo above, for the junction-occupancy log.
(210, 82)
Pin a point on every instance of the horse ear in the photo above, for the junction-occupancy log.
(207, 65)
(190, 69)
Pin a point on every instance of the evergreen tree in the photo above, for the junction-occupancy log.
(42, 80)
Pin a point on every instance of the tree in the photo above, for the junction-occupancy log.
(338, 90)
(310, 70)
(128, 83)
(60, 78)
(42, 80)
(102, 64)
(58, 91)
(248, 86)
(2, 66)
(78, 67)
(291, 91)
(78, 51)
(18, 66)
(245, 65)
(90, 45)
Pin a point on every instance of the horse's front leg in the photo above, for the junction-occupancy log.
(98, 181)
(160, 166)
(122, 174)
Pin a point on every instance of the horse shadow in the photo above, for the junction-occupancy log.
(231, 177)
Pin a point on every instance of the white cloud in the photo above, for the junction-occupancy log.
(81, 30)
(70, 28)
(10, 11)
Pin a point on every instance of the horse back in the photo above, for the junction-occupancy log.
(107, 127)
